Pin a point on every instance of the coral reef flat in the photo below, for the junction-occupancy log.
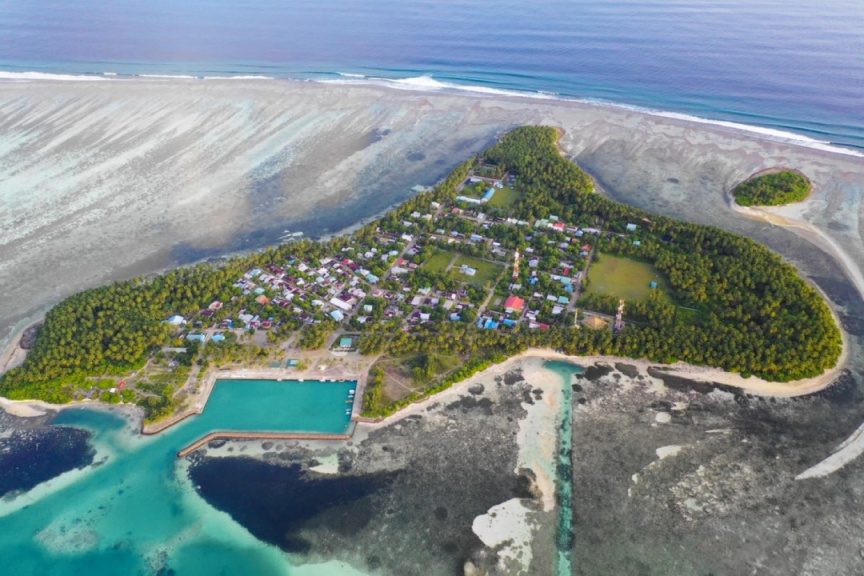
(134, 176)
(107, 181)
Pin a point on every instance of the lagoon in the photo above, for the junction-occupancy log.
(136, 511)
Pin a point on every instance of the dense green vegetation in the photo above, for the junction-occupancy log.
(773, 189)
(750, 311)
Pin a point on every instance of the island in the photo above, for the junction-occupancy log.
(772, 188)
(514, 250)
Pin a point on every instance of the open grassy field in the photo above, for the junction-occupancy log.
(504, 197)
(400, 379)
(624, 278)
(475, 190)
(438, 262)
(486, 271)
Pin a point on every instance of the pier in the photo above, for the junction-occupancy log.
(229, 435)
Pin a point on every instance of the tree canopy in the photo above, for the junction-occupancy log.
(773, 189)
(756, 314)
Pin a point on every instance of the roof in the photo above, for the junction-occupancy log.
(514, 303)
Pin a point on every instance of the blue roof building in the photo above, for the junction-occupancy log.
(653, 284)
(337, 315)
(196, 337)
(509, 322)
(563, 300)
(218, 338)
(488, 195)
(491, 324)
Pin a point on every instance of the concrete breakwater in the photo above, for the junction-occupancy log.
(229, 435)
(176, 419)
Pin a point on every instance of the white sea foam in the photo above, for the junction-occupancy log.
(168, 76)
(428, 84)
(46, 76)
(771, 133)
(248, 77)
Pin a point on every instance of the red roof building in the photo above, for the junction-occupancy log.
(514, 304)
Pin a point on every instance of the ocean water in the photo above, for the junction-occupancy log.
(136, 510)
(793, 66)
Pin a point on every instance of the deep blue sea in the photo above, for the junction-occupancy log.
(790, 65)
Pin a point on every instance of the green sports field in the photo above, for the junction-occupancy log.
(624, 278)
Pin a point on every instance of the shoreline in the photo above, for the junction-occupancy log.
(696, 374)
(778, 135)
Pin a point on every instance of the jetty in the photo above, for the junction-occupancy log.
(231, 435)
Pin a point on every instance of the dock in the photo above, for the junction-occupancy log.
(229, 435)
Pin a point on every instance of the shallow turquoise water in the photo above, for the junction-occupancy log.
(564, 539)
(136, 512)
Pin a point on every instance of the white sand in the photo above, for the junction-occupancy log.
(508, 524)
(667, 451)
(538, 431)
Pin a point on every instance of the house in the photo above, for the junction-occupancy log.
(196, 337)
(218, 338)
(563, 300)
(262, 299)
(337, 315)
(467, 270)
(488, 195)
(176, 320)
(514, 304)
(341, 304)
(631, 227)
